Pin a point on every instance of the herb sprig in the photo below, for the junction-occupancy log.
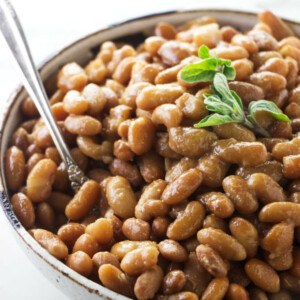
(225, 104)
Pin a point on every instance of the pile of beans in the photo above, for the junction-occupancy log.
(170, 212)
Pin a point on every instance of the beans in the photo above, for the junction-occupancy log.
(232, 52)
(121, 197)
(122, 150)
(236, 292)
(263, 40)
(153, 44)
(51, 242)
(160, 226)
(238, 191)
(216, 289)
(138, 261)
(292, 73)
(83, 125)
(172, 250)
(187, 222)
(83, 201)
(14, 168)
(167, 114)
(211, 261)
(262, 275)
(46, 215)
(235, 131)
(218, 203)
(127, 170)
(281, 262)
(280, 211)
(276, 65)
(243, 153)
(153, 96)
(173, 282)
(28, 108)
(213, 170)
(215, 222)
(70, 232)
(182, 187)
(148, 283)
(295, 270)
(90, 147)
(246, 234)
(243, 68)
(20, 139)
(114, 279)
(71, 77)
(141, 133)
(182, 296)
(40, 180)
(279, 239)
(102, 230)
(80, 262)
(190, 141)
(290, 282)
(270, 82)
(266, 189)
(102, 258)
(74, 103)
(281, 295)
(165, 30)
(23, 208)
(286, 148)
(86, 243)
(136, 229)
(226, 245)
(291, 166)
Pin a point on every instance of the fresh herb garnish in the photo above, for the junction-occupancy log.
(225, 103)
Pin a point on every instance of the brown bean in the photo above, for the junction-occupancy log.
(15, 171)
(74, 103)
(279, 239)
(179, 168)
(86, 243)
(216, 289)
(236, 274)
(263, 40)
(238, 191)
(153, 44)
(236, 131)
(226, 245)
(281, 262)
(262, 275)
(114, 279)
(187, 222)
(104, 257)
(173, 282)
(28, 108)
(160, 226)
(292, 73)
(136, 229)
(23, 208)
(40, 180)
(236, 292)
(80, 262)
(120, 197)
(281, 295)
(96, 69)
(182, 187)
(141, 134)
(246, 234)
(167, 114)
(243, 68)
(83, 201)
(122, 72)
(51, 242)
(122, 150)
(295, 269)
(291, 166)
(83, 125)
(215, 222)
(266, 189)
(231, 52)
(59, 112)
(70, 232)
(276, 65)
(172, 250)
(45, 215)
(102, 230)
(280, 211)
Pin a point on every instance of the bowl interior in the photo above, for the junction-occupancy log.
(133, 32)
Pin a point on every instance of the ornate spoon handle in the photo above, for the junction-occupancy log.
(16, 41)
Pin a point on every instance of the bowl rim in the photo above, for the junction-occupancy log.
(6, 208)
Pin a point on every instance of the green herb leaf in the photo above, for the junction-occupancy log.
(229, 72)
(203, 52)
(214, 119)
(268, 106)
(214, 103)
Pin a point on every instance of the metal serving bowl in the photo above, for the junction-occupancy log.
(132, 31)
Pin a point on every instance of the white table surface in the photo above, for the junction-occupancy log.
(50, 25)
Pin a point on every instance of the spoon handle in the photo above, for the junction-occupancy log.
(16, 41)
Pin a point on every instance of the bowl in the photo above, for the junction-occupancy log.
(132, 31)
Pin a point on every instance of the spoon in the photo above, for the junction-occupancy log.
(15, 38)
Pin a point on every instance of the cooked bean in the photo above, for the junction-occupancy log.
(179, 168)
(241, 195)
(215, 222)
(236, 131)
(120, 197)
(243, 68)
(45, 215)
(173, 282)
(216, 289)
(114, 279)
(281, 295)
(74, 103)
(167, 114)
(122, 72)
(182, 187)
(103, 258)
(263, 40)
(280, 211)
(291, 76)
(231, 52)
(246, 234)
(160, 226)
(187, 222)
(283, 149)
(172, 251)
(70, 232)
(20, 139)
(83, 201)
(266, 189)
(28, 108)
(226, 245)
(281, 262)
(102, 230)
(51, 242)
(23, 208)
(218, 203)
(15, 171)
(236, 292)
(136, 229)
(291, 166)
(83, 125)
(86, 243)
(80, 262)
(262, 275)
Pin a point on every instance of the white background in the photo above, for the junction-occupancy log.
(50, 25)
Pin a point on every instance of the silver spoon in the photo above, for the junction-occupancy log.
(16, 41)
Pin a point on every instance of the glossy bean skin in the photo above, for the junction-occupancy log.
(83, 125)
(168, 114)
(70, 232)
(216, 289)
(187, 222)
(172, 251)
(136, 229)
(86, 243)
(266, 189)
(148, 283)
(74, 103)
(262, 275)
(45, 215)
(121, 197)
(80, 262)
(14, 168)
(101, 230)
(103, 258)
(291, 166)
(40, 180)
(173, 282)
(83, 201)
(23, 208)
(236, 131)
(236, 292)
(226, 245)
